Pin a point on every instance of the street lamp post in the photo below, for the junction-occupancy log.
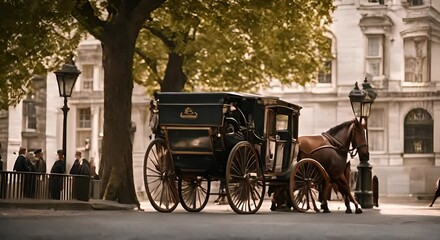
(361, 101)
(66, 78)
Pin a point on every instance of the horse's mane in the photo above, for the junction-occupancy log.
(332, 131)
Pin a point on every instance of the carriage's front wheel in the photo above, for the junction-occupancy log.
(245, 185)
(194, 192)
(160, 177)
(307, 180)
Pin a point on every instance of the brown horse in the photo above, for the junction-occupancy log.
(330, 149)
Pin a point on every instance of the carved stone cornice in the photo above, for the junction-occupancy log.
(376, 23)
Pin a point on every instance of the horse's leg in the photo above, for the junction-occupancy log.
(433, 200)
(345, 191)
(323, 196)
(273, 207)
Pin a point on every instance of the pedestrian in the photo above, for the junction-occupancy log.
(437, 192)
(30, 178)
(41, 163)
(56, 180)
(22, 167)
(20, 164)
(80, 166)
(3, 184)
(81, 182)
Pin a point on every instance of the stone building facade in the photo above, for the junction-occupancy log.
(396, 45)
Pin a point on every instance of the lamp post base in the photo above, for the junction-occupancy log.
(364, 193)
(365, 199)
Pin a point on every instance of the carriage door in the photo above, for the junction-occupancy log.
(279, 138)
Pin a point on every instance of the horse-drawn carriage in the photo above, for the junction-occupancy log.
(248, 142)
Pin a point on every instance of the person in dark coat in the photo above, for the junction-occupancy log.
(30, 179)
(41, 163)
(56, 181)
(21, 165)
(437, 192)
(80, 183)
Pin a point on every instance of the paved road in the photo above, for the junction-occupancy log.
(392, 220)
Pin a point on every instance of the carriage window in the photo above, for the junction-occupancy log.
(418, 132)
(282, 122)
(271, 131)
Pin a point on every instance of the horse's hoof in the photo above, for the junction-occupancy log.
(358, 211)
(349, 211)
(273, 207)
(326, 211)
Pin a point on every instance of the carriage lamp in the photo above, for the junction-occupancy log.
(66, 79)
(361, 101)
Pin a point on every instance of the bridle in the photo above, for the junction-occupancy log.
(354, 150)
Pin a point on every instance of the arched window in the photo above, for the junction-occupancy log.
(418, 131)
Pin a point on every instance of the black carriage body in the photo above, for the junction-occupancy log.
(195, 127)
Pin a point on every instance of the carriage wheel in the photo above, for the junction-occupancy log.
(160, 177)
(194, 192)
(307, 179)
(245, 187)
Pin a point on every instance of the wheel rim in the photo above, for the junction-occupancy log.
(245, 187)
(194, 192)
(160, 177)
(305, 183)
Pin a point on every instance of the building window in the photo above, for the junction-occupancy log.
(415, 2)
(84, 130)
(376, 130)
(87, 77)
(374, 56)
(84, 116)
(418, 132)
(416, 62)
(325, 73)
(381, 2)
(30, 114)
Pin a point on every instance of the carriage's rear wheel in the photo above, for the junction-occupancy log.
(194, 192)
(160, 177)
(245, 186)
(307, 180)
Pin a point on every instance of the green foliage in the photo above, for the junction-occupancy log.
(36, 36)
(235, 45)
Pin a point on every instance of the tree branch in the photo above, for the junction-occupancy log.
(152, 64)
(85, 14)
(143, 10)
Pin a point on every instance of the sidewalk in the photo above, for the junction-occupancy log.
(386, 205)
(93, 204)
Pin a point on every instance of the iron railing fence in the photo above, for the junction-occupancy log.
(32, 185)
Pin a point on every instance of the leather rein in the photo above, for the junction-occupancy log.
(338, 145)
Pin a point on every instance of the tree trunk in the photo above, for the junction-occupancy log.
(175, 79)
(117, 159)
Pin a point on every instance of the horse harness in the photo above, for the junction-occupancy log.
(337, 145)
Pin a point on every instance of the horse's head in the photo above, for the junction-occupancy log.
(359, 139)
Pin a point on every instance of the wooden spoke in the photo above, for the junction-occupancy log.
(244, 179)
(160, 177)
(194, 192)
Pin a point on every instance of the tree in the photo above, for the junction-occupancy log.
(233, 45)
(36, 36)
(118, 33)
(236, 38)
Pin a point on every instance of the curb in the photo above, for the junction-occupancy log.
(65, 205)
